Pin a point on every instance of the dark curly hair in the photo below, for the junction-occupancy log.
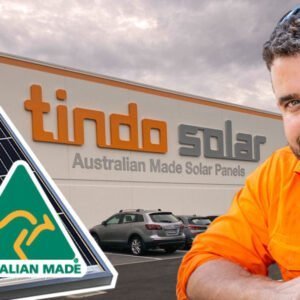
(284, 40)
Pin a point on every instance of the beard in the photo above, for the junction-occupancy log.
(296, 150)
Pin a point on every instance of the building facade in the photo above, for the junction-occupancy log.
(111, 144)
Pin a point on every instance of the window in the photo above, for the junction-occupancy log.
(163, 218)
(139, 218)
(129, 218)
(114, 220)
(199, 221)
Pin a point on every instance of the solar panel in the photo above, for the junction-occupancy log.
(100, 275)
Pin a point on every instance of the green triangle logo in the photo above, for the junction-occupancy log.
(33, 239)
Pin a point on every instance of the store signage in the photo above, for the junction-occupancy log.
(38, 107)
(217, 143)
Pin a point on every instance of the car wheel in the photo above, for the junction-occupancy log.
(170, 249)
(96, 238)
(136, 245)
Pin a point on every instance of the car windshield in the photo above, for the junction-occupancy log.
(199, 221)
(163, 218)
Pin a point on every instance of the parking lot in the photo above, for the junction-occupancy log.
(122, 258)
(148, 277)
(152, 276)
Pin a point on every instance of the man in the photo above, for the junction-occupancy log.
(230, 260)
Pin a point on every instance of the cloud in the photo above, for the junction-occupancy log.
(209, 48)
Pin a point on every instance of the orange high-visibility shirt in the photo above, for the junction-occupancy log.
(261, 227)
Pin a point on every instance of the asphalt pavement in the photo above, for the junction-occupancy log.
(146, 280)
(148, 277)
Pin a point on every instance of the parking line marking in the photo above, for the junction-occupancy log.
(85, 295)
(175, 257)
(146, 261)
(129, 255)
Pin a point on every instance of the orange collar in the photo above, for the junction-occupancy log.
(297, 167)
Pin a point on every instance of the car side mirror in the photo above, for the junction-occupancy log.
(104, 223)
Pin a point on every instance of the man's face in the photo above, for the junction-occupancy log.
(285, 74)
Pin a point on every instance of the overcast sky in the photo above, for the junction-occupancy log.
(209, 48)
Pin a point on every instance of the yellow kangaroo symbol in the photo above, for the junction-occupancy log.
(47, 225)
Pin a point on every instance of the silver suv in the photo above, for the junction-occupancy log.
(140, 230)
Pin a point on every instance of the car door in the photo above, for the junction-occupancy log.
(128, 223)
(110, 231)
